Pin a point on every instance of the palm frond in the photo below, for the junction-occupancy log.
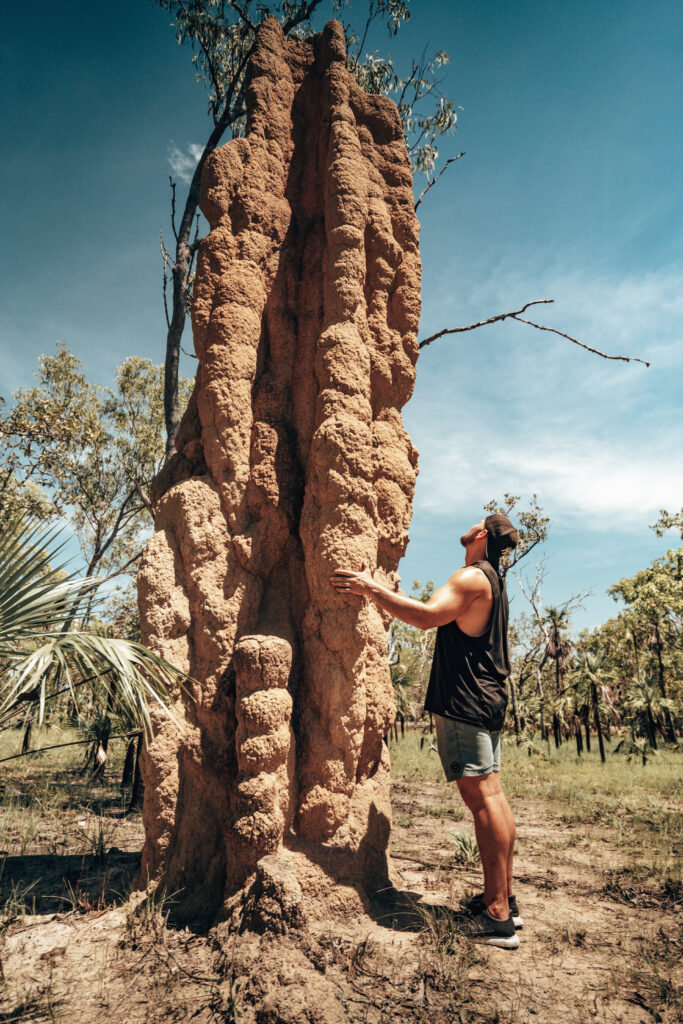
(34, 602)
(132, 673)
(34, 595)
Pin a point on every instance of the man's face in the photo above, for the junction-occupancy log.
(468, 537)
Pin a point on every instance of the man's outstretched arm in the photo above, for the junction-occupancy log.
(463, 588)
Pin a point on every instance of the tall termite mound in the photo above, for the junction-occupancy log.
(292, 460)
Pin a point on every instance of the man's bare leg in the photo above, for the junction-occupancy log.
(495, 831)
(512, 834)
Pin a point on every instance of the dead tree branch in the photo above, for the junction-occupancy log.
(165, 257)
(516, 315)
(581, 344)
(172, 184)
(433, 182)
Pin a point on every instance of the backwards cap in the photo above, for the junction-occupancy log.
(501, 535)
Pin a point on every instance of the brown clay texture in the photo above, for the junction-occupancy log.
(292, 460)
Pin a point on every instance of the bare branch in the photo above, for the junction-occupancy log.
(372, 14)
(165, 259)
(186, 353)
(102, 549)
(426, 189)
(408, 81)
(481, 323)
(242, 11)
(144, 498)
(302, 14)
(172, 184)
(119, 572)
(516, 315)
(534, 599)
(194, 246)
(595, 351)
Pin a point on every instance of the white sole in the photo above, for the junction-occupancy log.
(518, 922)
(502, 941)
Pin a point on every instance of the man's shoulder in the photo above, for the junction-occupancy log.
(471, 579)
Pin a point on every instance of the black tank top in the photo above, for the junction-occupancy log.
(467, 681)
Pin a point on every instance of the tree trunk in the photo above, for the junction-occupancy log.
(273, 803)
(128, 764)
(598, 727)
(138, 791)
(28, 725)
(541, 696)
(587, 728)
(515, 705)
(556, 731)
(670, 731)
(635, 656)
(577, 733)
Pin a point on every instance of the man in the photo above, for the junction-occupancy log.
(467, 693)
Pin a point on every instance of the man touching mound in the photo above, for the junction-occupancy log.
(467, 693)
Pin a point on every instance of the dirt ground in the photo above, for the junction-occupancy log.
(601, 938)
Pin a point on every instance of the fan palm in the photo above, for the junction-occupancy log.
(40, 654)
(642, 708)
(401, 683)
(593, 672)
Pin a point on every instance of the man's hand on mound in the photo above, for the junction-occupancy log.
(352, 582)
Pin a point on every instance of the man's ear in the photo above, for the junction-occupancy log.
(482, 533)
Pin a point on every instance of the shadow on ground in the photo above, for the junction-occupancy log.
(47, 883)
(405, 911)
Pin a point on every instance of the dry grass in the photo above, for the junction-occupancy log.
(599, 884)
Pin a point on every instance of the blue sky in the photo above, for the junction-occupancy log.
(570, 190)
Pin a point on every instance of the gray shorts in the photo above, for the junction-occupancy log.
(465, 749)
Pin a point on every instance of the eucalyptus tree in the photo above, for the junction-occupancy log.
(86, 452)
(668, 521)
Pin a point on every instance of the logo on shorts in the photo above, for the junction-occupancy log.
(456, 767)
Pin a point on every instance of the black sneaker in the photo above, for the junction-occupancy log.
(488, 930)
(476, 905)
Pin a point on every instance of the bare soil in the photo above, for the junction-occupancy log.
(600, 942)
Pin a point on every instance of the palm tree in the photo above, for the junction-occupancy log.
(40, 660)
(593, 672)
(582, 703)
(642, 708)
(401, 683)
(557, 620)
(657, 643)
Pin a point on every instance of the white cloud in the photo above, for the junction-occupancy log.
(508, 408)
(629, 314)
(576, 478)
(184, 163)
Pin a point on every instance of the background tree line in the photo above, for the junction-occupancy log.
(622, 679)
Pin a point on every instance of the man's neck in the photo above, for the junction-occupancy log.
(474, 553)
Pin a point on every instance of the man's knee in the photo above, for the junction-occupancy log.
(475, 789)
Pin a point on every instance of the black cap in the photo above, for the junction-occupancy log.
(501, 535)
